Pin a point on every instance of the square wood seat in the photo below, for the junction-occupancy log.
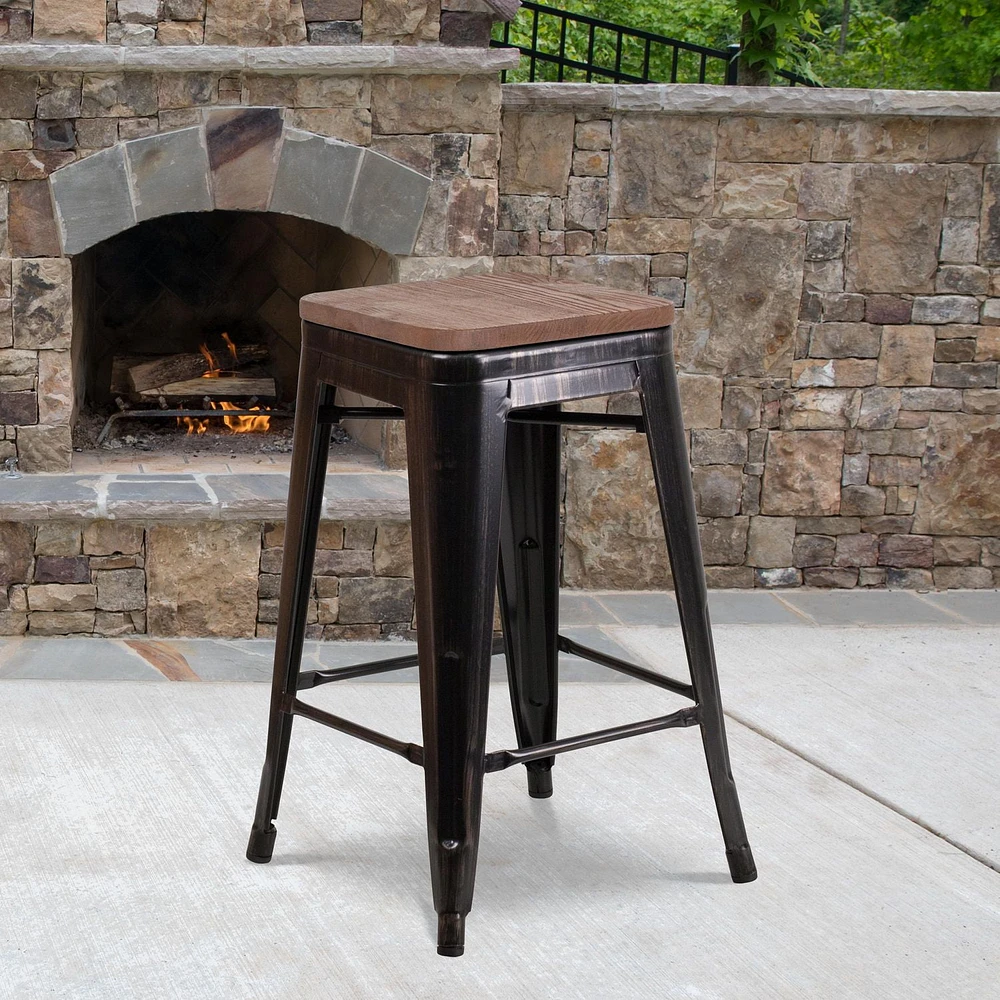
(479, 367)
(485, 312)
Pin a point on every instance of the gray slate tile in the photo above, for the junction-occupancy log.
(92, 199)
(582, 610)
(657, 609)
(315, 178)
(979, 606)
(876, 607)
(750, 608)
(170, 173)
(388, 204)
(74, 659)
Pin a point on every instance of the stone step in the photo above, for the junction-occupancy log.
(371, 495)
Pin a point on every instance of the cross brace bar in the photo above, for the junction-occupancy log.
(531, 416)
(641, 673)
(334, 415)
(314, 678)
(411, 751)
(502, 759)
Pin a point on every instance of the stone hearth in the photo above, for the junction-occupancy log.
(834, 257)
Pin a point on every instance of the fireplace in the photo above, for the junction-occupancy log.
(194, 314)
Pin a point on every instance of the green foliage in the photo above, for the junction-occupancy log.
(945, 45)
(872, 56)
(711, 23)
(901, 44)
(955, 45)
(779, 35)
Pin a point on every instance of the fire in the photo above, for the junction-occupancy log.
(257, 421)
(214, 371)
(242, 424)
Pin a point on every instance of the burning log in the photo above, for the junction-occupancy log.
(224, 387)
(158, 373)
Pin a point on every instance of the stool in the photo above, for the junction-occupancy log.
(478, 366)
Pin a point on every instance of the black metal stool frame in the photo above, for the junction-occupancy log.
(483, 444)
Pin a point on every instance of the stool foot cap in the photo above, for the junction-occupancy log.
(540, 783)
(261, 845)
(741, 864)
(451, 934)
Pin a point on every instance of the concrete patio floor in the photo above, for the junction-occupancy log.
(865, 731)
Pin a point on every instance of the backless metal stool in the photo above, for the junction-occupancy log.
(478, 366)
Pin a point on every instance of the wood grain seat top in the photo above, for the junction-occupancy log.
(485, 312)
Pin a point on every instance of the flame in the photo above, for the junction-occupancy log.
(213, 369)
(244, 424)
(257, 421)
(231, 346)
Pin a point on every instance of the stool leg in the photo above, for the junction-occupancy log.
(661, 408)
(455, 445)
(529, 588)
(310, 451)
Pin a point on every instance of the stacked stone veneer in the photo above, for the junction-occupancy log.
(835, 261)
(87, 155)
(249, 22)
(198, 578)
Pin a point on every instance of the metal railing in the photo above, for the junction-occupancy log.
(589, 47)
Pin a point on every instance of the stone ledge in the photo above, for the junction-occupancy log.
(696, 98)
(316, 60)
(197, 496)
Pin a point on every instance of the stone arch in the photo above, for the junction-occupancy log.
(239, 159)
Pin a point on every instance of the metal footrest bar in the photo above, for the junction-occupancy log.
(314, 678)
(411, 751)
(640, 673)
(334, 414)
(531, 416)
(502, 759)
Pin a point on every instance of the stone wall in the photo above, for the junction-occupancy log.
(198, 578)
(835, 260)
(218, 138)
(247, 22)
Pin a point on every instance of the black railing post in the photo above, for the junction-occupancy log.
(733, 66)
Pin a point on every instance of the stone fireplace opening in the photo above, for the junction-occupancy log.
(199, 311)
